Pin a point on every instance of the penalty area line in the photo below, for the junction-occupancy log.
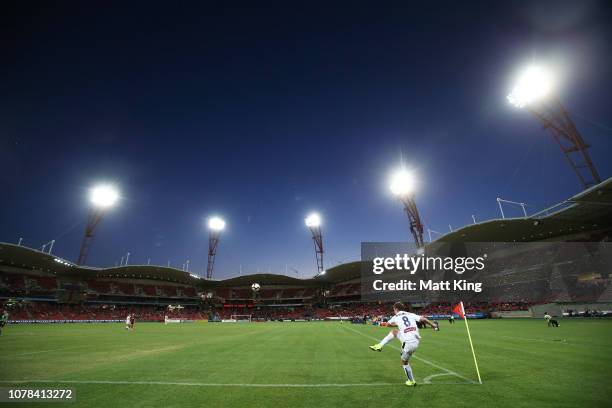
(431, 363)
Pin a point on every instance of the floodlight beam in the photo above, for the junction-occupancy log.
(402, 185)
(101, 197)
(416, 226)
(215, 226)
(534, 91)
(94, 218)
(555, 118)
(313, 222)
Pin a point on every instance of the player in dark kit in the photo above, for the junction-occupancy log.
(3, 320)
(132, 320)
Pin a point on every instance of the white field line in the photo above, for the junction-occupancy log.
(198, 384)
(427, 380)
(39, 352)
(431, 363)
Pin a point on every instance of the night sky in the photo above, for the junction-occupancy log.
(263, 114)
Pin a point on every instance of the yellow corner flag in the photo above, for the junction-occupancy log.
(461, 312)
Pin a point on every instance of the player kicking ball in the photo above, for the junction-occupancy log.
(408, 333)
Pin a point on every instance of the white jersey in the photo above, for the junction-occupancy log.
(407, 326)
(127, 320)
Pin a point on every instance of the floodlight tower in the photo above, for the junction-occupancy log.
(534, 91)
(402, 186)
(215, 226)
(102, 197)
(313, 222)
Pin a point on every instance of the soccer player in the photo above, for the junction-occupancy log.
(550, 321)
(408, 333)
(127, 322)
(132, 320)
(451, 319)
(3, 320)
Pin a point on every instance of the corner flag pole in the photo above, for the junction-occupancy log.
(471, 344)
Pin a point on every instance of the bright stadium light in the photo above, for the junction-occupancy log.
(313, 220)
(104, 196)
(216, 224)
(535, 91)
(402, 183)
(532, 85)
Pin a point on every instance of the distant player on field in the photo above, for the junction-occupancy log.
(408, 333)
(132, 321)
(127, 322)
(550, 321)
(3, 320)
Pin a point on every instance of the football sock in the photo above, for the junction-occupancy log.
(408, 371)
(387, 338)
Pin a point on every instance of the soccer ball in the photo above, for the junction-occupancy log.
(255, 287)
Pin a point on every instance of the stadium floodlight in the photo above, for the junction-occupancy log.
(215, 226)
(313, 222)
(534, 90)
(101, 197)
(533, 85)
(403, 185)
(104, 196)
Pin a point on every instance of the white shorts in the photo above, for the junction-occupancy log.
(408, 348)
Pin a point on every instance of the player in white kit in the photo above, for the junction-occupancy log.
(408, 333)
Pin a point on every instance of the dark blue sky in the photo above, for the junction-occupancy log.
(264, 114)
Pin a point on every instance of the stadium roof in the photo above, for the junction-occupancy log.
(590, 210)
(341, 273)
(146, 272)
(266, 279)
(28, 258)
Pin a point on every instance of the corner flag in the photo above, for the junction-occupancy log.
(458, 309)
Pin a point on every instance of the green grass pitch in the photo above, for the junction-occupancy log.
(320, 364)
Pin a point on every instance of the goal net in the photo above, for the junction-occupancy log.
(242, 318)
